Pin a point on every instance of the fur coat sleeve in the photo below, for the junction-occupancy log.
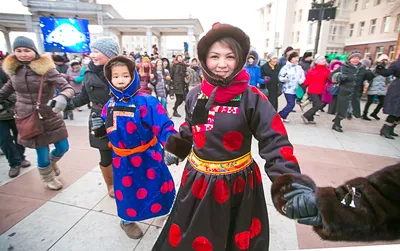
(362, 209)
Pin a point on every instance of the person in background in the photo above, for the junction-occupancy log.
(283, 60)
(178, 75)
(305, 63)
(195, 73)
(159, 78)
(144, 73)
(74, 71)
(169, 85)
(254, 71)
(13, 151)
(27, 71)
(62, 68)
(270, 72)
(315, 80)
(327, 97)
(292, 75)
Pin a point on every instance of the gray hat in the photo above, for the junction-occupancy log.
(106, 45)
(366, 63)
(272, 55)
(355, 54)
(25, 42)
(319, 59)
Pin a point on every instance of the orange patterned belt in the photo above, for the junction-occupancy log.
(220, 167)
(139, 149)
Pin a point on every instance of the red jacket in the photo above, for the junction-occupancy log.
(316, 78)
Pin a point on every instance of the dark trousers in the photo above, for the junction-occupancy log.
(13, 151)
(179, 100)
(393, 119)
(370, 101)
(105, 157)
(290, 99)
(316, 105)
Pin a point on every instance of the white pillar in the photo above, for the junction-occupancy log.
(120, 43)
(39, 39)
(8, 41)
(190, 41)
(149, 35)
(196, 39)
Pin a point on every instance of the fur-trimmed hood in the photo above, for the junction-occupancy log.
(40, 66)
(255, 56)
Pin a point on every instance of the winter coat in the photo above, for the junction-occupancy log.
(25, 82)
(282, 61)
(160, 83)
(392, 99)
(362, 209)
(195, 74)
(144, 73)
(316, 78)
(305, 65)
(95, 89)
(254, 71)
(8, 105)
(273, 83)
(378, 85)
(178, 74)
(79, 79)
(72, 75)
(295, 74)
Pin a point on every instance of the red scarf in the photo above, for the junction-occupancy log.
(226, 94)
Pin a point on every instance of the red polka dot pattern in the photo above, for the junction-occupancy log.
(287, 154)
(151, 174)
(221, 191)
(277, 125)
(160, 109)
(174, 235)
(242, 240)
(131, 212)
(130, 127)
(116, 162)
(121, 145)
(141, 193)
(232, 140)
(239, 185)
(184, 176)
(143, 111)
(171, 128)
(155, 208)
(257, 91)
(201, 243)
(199, 188)
(164, 188)
(258, 173)
(251, 179)
(127, 181)
(156, 130)
(255, 228)
(136, 161)
(170, 185)
(118, 195)
(199, 139)
(156, 156)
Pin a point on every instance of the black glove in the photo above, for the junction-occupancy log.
(70, 106)
(302, 205)
(98, 129)
(343, 78)
(170, 158)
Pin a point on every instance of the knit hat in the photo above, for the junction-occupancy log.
(145, 59)
(383, 57)
(307, 54)
(366, 62)
(292, 55)
(25, 42)
(58, 58)
(272, 55)
(355, 54)
(318, 59)
(106, 45)
(251, 56)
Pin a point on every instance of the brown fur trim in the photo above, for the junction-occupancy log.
(375, 211)
(40, 66)
(178, 146)
(282, 185)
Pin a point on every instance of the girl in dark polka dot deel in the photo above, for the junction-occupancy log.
(137, 126)
(221, 204)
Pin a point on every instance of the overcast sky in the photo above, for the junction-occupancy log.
(239, 13)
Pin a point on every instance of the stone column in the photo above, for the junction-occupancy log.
(190, 41)
(196, 39)
(39, 39)
(8, 41)
(149, 35)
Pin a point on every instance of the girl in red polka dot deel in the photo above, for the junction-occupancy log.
(137, 126)
(221, 203)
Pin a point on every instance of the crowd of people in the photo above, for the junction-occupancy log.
(221, 184)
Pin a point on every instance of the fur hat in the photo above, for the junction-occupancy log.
(292, 55)
(307, 54)
(106, 45)
(318, 59)
(218, 32)
(354, 54)
(58, 58)
(25, 42)
(382, 58)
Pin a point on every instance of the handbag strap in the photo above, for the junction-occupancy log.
(40, 91)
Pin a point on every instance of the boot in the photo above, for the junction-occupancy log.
(54, 166)
(176, 114)
(336, 125)
(365, 117)
(14, 171)
(375, 116)
(392, 131)
(108, 178)
(385, 131)
(132, 230)
(49, 178)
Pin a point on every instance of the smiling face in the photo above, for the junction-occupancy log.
(120, 76)
(251, 60)
(98, 58)
(354, 60)
(24, 54)
(221, 60)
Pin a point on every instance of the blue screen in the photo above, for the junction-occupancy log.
(65, 34)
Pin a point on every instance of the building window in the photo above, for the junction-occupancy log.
(310, 33)
(378, 2)
(266, 42)
(366, 52)
(269, 8)
(297, 36)
(372, 26)
(300, 14)
(351, 30)
(361, 29)
(391, 52)
(397, 26)
(379, 51)
(386, 24)
(267, 26)
(292, 37)
(355, 5)
(365, 4)
(294, 17)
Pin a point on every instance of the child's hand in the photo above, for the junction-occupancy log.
(151, 76)
(170, 158)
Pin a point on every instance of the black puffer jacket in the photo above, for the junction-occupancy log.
(8, 105)
(95, 89)
(392, 99)
(178, 74)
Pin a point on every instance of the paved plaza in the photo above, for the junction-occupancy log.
(82, 217)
